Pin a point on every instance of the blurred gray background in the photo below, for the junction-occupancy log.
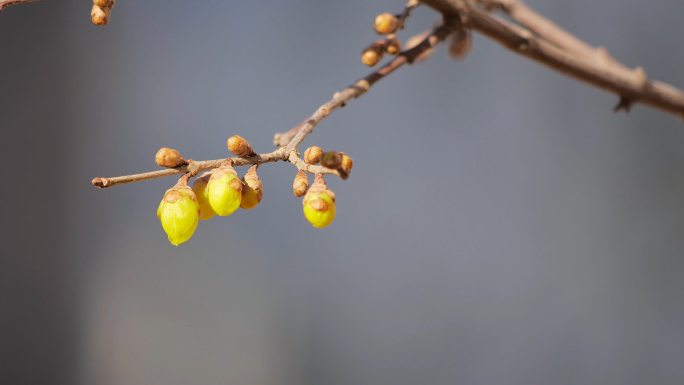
(542, 244)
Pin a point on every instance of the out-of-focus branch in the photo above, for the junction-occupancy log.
(293, 138)
(563, 52)
(6, 3)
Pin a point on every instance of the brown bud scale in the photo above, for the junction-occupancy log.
(168, 157)
(313, 154)
(301, 184)
(100, 15)
(240, 146)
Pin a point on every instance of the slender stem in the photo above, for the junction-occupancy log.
(289, 152)
(6, 3)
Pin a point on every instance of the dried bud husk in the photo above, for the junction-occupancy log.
(313, 154)
(179, 212)
(319, 203)
(100, 15)
(301, 184)
(199, 187)
(252, 189)
(413, 42)
(224, 190)
(331, 159)
(461, 42)
(347, 162)
(386, 23)
(168, 157)
(111, 4)
(393, 46)
(240, 146)
(373, 53)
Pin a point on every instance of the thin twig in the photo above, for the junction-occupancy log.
(632, 86)
(6, 3)
(293, 138)
(289, 151)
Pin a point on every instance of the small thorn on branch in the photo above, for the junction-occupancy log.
(623, 104)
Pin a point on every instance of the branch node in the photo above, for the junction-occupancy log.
(641, 76)
(100, 182)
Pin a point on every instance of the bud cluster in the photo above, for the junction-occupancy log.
(221, 192)
(101, 11)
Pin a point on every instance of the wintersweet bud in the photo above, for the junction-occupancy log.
(373, 53)
(179, 212)
(199, 187)
(224, 190)
(319, 203)
(100, 15)
(313, 154)
(240, 146)
(168, 157)
(386, 23)
(252, 189)
(301, 184)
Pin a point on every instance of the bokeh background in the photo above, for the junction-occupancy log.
(501, 224)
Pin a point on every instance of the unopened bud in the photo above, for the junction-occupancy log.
(461, 42)
(100, 15)
(386, 23)
(347, 162)
(252, 189)
(240, 146)
(301, 184)
(373, 53)
(313, 154)
(168, 157)
(224, 190)
(319, 203)
(393, 46)
(199, 187)
(331, 159)
(179, 212)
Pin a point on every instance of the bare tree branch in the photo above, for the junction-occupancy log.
(563, 52)
(6, 3)
(289, 150)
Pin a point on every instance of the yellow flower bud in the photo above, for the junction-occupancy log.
(301, 184)
(319, 204)
(386, 23)
(224, 190)
(240, 146)
(252, 189)
(100, 15)
(179, 214)
(168, 157)
(313, 154)
(199, 187)
(373, 53)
